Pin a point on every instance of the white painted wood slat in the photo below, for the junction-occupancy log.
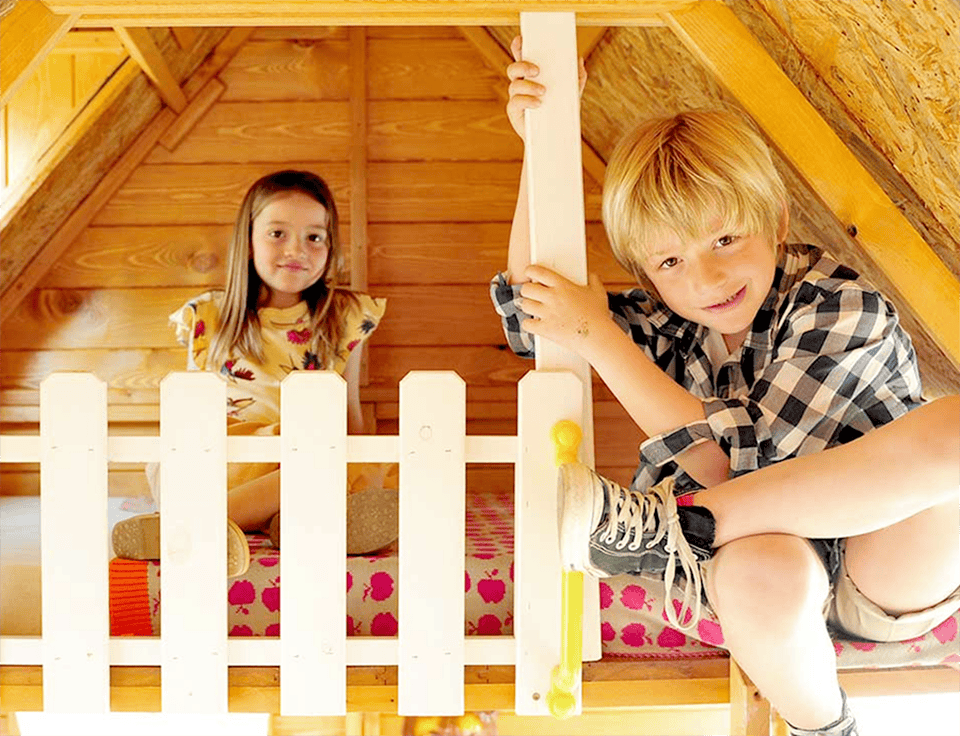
(313, 508)
(193, 543)
(74, 551)
(557, 229)
(432, 547)
(544, 399)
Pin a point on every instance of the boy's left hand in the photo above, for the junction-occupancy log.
(566, 313)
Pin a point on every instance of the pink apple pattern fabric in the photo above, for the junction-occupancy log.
(632, 622)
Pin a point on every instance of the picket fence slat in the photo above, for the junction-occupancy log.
(193, 543)
(433, 423)
(313, 508)
(73, 553)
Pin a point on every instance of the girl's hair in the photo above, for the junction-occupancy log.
(239, 328)
(672, 175)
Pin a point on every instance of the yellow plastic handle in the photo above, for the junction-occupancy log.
(561, 702)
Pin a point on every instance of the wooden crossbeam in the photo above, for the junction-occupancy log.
(498, 58)
(356, 12)
(715, 36)
(28, 32)
(142, 48)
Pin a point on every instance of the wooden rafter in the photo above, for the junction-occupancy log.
(498, 58)
(357, 12)
(142, 48)
(715, 36)
(28, 32)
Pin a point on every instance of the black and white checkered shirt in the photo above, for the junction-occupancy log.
(824, 362)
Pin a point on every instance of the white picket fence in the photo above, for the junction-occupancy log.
(313, 651)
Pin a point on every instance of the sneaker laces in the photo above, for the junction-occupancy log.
(655, 511)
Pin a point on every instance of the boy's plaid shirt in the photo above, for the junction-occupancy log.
(824, 362)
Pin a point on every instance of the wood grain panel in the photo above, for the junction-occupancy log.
(452, 192)
(79, 319)
(288, 70)
(411, 69)
(242, 132)
(452, 130)
(173, 194)
(187, 255)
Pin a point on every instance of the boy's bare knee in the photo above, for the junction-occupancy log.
(767, 578)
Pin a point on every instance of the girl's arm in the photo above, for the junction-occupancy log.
(355, 423)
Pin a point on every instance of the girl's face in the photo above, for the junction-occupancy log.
(291, 245)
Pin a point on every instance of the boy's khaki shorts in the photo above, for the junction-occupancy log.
(850, 611)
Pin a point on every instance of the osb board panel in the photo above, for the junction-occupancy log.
(439, 191)
(300, 130)
(895, 65)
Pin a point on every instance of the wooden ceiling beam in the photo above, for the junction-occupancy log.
(717, 38)
(358, 12)
(498, 58)
(144, 51)
(29, 32)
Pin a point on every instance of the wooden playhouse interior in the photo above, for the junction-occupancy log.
(131, 130)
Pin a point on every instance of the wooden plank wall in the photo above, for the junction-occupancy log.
(441, 179)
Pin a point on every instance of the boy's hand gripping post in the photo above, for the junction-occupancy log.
(566, 436)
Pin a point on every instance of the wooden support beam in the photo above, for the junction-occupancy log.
(195, 109)
(749, 710)
(29, 32)
(715, 36)
(169, 13)
(358, 159)
(498, 58)
(141, 46)
(81, 217)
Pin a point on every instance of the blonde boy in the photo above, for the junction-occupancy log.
(739, 353)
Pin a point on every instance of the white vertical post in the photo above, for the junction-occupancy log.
(313, 508)
(74, 549)
(432, 530)
(193, 543)
(544, 398)
(557, 227)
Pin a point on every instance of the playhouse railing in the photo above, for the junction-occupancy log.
(74, 450)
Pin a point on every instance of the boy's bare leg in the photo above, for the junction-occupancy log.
(876, 481)
(884, 564)
(773, 625)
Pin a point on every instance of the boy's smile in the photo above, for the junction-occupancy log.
(718, 280)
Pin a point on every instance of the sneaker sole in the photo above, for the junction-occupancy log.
(575, 517)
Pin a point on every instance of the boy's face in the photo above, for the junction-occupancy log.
(718, 280)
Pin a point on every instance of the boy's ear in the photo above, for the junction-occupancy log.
(784, 226)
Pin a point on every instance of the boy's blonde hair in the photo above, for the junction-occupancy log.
(239, 327)
(673, 175)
